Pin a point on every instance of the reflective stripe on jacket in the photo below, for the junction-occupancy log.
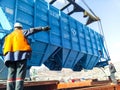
(16, 41)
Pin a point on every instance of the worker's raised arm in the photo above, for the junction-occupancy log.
(35, 30)
(46, 28)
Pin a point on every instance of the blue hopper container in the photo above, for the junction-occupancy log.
(69, 43)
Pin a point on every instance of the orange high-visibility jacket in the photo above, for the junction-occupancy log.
(16, 42)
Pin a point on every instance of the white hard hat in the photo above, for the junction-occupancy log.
(16, 25)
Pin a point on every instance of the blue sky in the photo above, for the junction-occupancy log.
(108, 11)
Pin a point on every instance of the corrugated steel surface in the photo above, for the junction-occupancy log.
(69, 44)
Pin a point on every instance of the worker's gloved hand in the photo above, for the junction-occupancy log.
(46, 28)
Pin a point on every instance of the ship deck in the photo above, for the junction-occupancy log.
(56, 85)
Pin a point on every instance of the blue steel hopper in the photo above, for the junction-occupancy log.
(69, 43)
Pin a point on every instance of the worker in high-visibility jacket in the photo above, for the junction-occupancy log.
(16, 51)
